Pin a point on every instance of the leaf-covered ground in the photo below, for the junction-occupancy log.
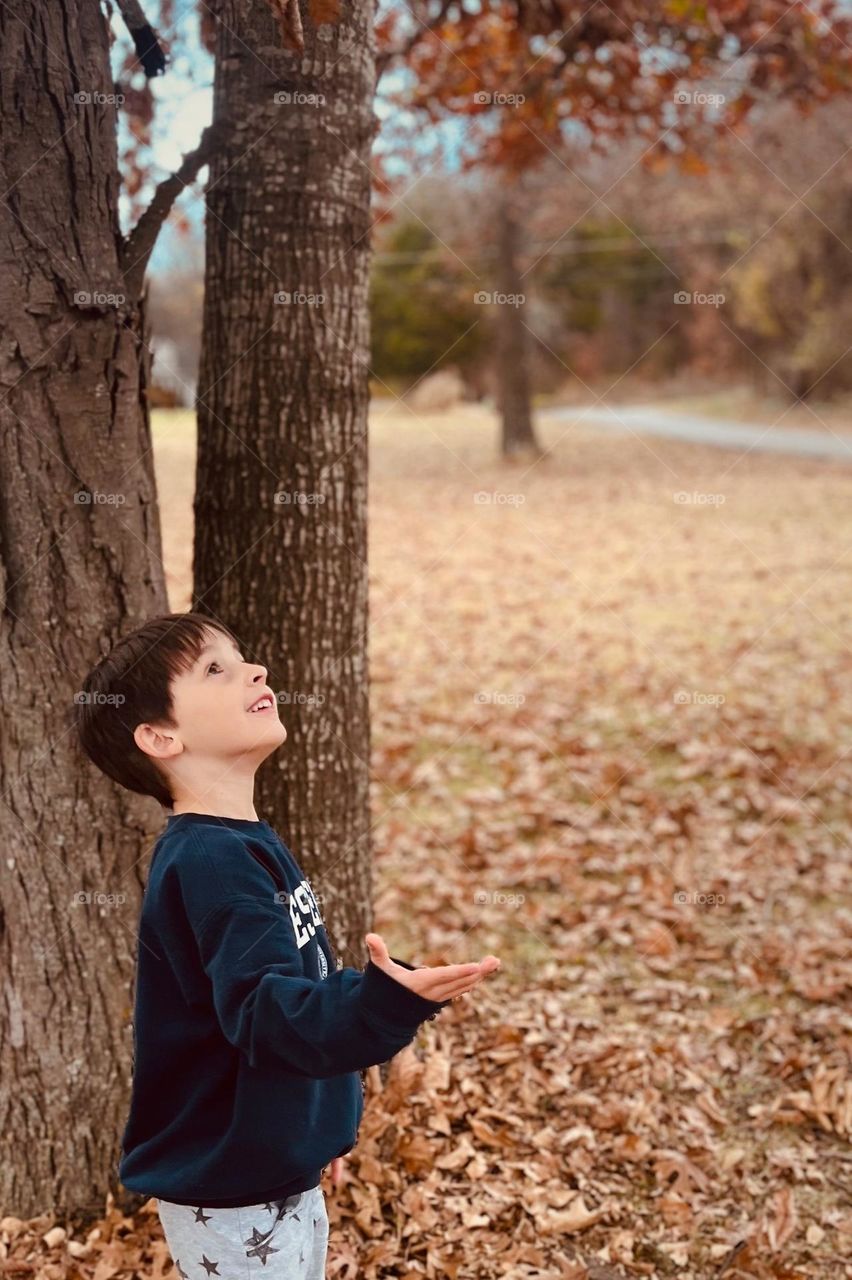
(612, 745)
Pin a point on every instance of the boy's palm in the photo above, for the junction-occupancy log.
(433, 982)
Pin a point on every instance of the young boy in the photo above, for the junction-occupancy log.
(248, 1037)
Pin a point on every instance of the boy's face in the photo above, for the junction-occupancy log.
(211, 706)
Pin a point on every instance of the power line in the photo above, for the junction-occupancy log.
(616, 244)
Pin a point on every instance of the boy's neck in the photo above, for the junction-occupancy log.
(216, 811)
(226, 803)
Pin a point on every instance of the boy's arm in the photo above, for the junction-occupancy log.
(268, 1009)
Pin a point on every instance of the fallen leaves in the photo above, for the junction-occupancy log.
(658, 1082)
(828, 1100)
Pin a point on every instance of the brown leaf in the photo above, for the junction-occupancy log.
(781, 1226)
(324, 11)
(573, 1219)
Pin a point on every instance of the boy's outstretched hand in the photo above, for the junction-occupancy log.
(438, 982)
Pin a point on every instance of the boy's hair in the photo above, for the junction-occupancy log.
(131, 686)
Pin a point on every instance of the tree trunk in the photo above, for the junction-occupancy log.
(281, 491)
(512, 349)
(79, 565)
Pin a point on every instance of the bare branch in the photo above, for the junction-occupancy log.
(139, 244)
(144, 38)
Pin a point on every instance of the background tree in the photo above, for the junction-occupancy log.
(769, 233)
(514, 396)
(530, 80)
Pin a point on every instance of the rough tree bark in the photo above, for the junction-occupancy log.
(518, 440)
(80, 563)
(281, 488)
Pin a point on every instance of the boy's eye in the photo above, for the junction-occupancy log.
(219, 665)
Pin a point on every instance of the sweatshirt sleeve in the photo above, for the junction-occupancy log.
(268, 1009)
(265, 1005)
(438, 1004)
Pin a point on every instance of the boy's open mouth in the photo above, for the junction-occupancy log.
(264, 702)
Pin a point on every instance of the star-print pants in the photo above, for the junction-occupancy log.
(283, 1240)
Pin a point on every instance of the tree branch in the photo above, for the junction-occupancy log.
(144, 38)
(139, 244)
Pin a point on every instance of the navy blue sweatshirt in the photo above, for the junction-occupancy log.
(248, 1039)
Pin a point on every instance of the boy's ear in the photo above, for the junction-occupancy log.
(162, 744)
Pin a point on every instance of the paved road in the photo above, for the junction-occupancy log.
(712, 431)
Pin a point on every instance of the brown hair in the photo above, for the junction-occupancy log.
(131, 686)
